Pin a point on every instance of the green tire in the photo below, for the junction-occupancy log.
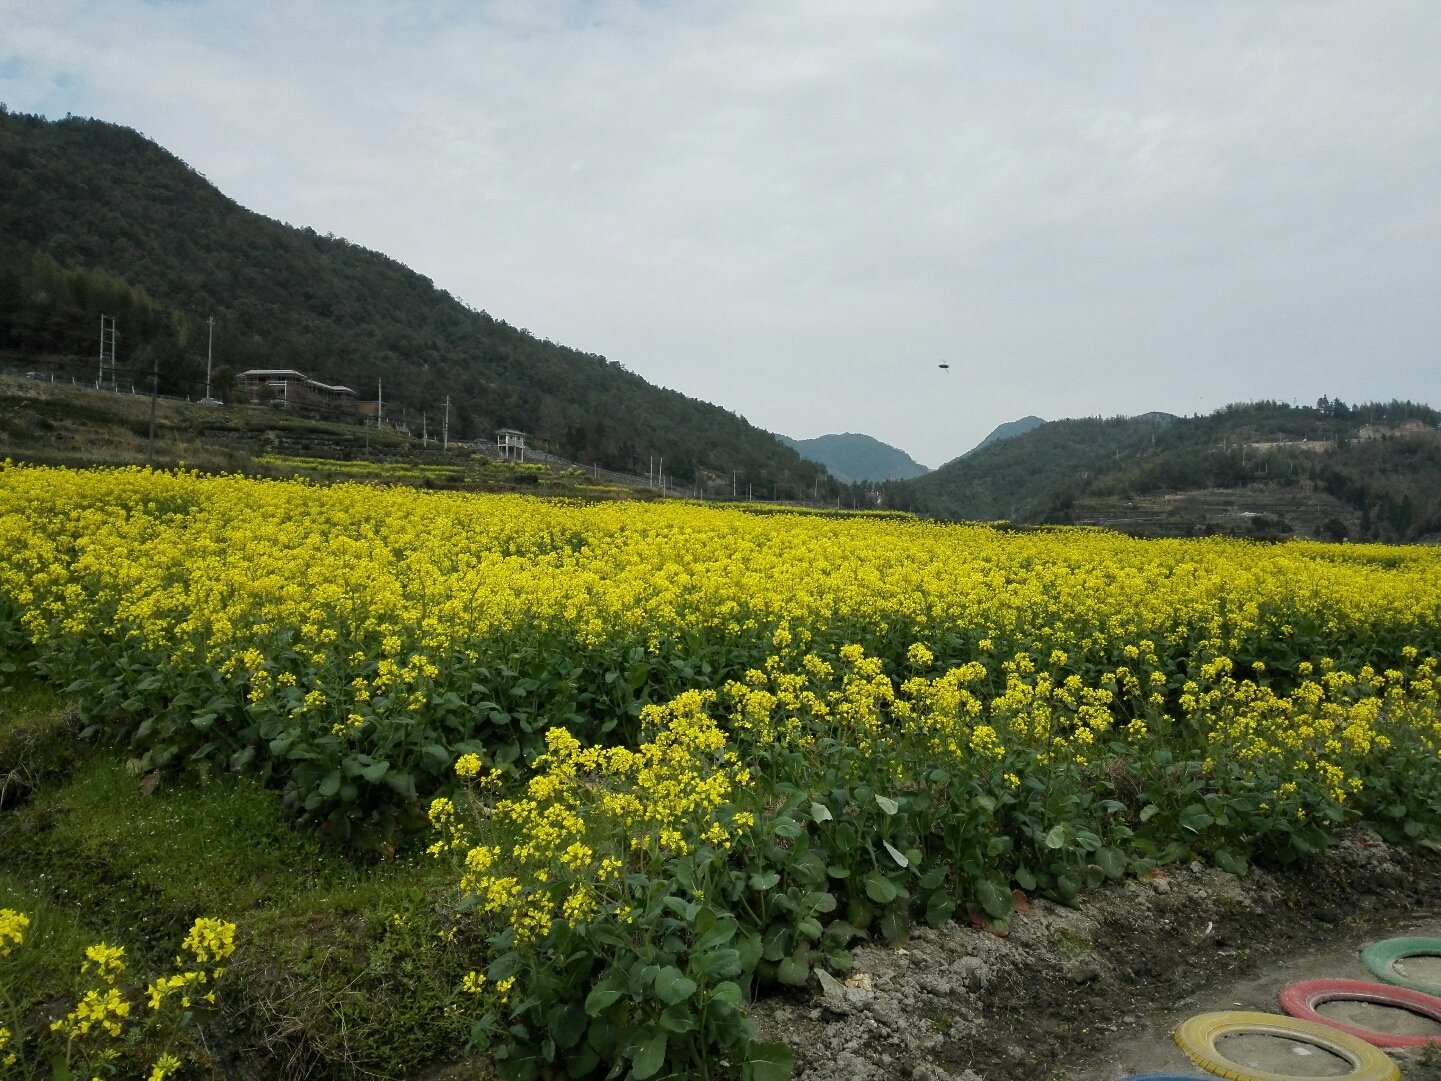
(1381, 957)
(1198, 1036)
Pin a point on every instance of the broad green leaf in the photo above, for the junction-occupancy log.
(601, 997)
(793, 973)
(880, 889)
(993, 899)
(1111, 860)
(672, 985)
(896, 855)
(650, 1058)
(375, 772)
(767, 1062)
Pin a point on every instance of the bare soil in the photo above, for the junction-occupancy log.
(1094, 993)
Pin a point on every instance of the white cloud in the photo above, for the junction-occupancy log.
(797, 209)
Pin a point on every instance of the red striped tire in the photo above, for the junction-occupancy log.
(1301, 999)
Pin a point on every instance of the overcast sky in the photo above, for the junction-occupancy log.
(799, 210)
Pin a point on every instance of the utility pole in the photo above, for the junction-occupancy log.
(379, 402)
(209, 354)
(424, 435)
(154, 390)
(107, 351)
(445, 427)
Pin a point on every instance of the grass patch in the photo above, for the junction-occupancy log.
(38, 737)
(343, 969)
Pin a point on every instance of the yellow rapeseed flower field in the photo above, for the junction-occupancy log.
(354, 640)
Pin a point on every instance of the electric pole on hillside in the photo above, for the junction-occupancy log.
(445, 426)
(424, 435)
(209, 356)
(154, 391)
(379, 402)
(107, 351)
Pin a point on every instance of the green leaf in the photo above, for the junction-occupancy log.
(672, 985)
(1195, 817)
(792, 973)
(1111, 860)
(821, 813)
(750, 948)
(1056, 837)
(939, 909)
(331, 785)
(714, 930)
(993, 899)
(375, 772)
(895, 925)
(820, 901)
(1230, 861)
(896, 855)
(1149, 812)
(650, 1058)
(767, 1062)
(787, 828)
(888, 805)
(935, 877)
(722, 963)
(601, 997)
(566, 1025)
(880, 889)
(728, 992)
(765, 881)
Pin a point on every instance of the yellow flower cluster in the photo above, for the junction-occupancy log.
(12, 929)
(210, 940)
(108, 962)
(94, 1010)
(588, 811)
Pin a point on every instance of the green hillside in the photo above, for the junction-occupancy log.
(851, 457)
(94, 218)
(1009, 430)
(1262, 469)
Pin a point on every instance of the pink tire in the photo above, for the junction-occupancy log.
(1301, 999)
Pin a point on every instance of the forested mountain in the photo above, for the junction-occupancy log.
(1364, 472)
(1008, 430)
(95, 218)
(851, 457)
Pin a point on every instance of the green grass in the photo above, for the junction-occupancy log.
(341, 969)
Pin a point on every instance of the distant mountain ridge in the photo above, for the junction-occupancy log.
(1009, 430)
(1265, 469)
(852, 457)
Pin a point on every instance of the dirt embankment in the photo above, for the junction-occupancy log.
(1093, 994)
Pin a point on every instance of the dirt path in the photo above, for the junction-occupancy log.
(1151, 1049)
(1093, 994)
